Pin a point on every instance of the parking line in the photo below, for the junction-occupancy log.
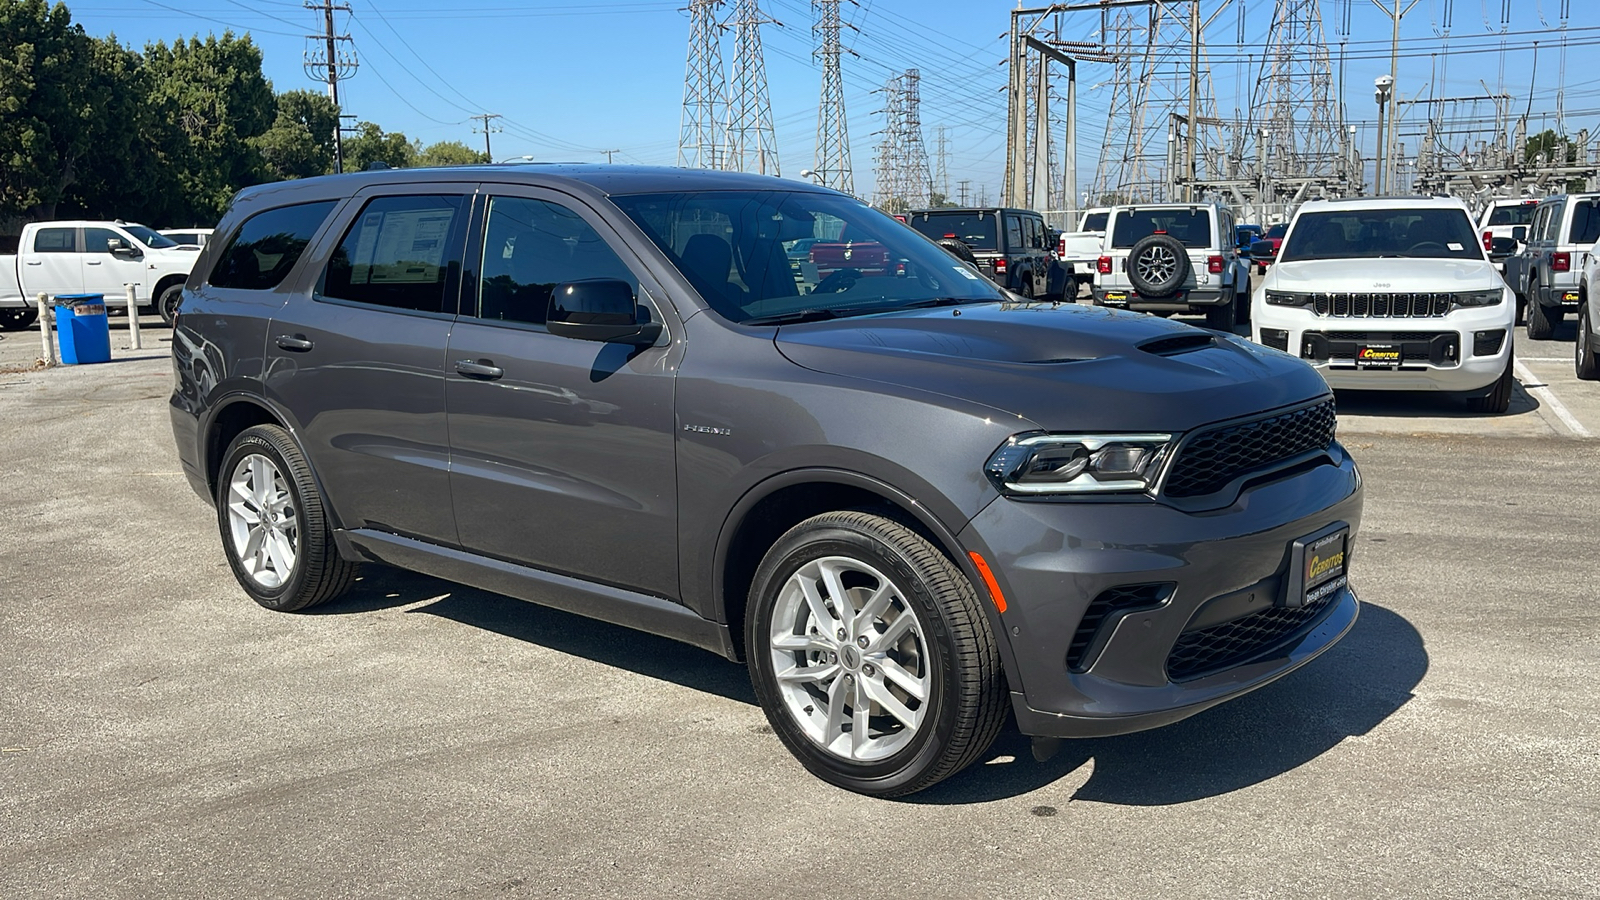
(1545, 359)
(1542, 391)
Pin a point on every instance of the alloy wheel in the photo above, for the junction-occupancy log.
(850, 659)
(262, 521)
(1157, 264)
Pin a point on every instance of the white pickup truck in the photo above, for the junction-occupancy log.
(92, 258)
(1081, 248)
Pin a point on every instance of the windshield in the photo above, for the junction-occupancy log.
(1095, 221)
(976, 230)
(1278, 230)
(150, 238)
(1521, 214)
(1379, 233)
(1191, 226)
(736, 247)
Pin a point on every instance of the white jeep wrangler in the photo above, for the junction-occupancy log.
(1174, 258)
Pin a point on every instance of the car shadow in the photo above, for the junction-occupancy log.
(1434, 404)
(1347, 692)
(381, 587)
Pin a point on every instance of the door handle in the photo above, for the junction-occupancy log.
(479, 369)
(94, 262)
(35, 262)
(293, 342)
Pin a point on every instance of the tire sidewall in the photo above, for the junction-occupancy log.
(167, 303)
(1179, 274)
(258, 440)
(794, 550)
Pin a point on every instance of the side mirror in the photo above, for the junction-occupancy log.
(1263, 250)
(599, 309)
(1519, 233)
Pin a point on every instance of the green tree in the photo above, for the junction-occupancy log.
(450, 153)
(127, 171)
(300, 142)
(370, 144)
(1553, 148)
(214, 94)
(49, 116)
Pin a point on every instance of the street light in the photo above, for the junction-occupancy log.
(809, 173)
(515, 159)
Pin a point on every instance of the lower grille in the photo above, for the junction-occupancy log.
(1223, 646)
(1130, 596)
(1276, 338)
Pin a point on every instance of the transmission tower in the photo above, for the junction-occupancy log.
(1299, 130)
(1118, 147)
(941, 172)
(903, 181)
(325, 62)
(705, 103)
(752, 143)
(833, 134)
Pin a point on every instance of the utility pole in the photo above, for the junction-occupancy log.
(608, 155)
(324, 62)
(486, 118)
(942, 174)
(1386, 177)
(833, 132)
(1194, 100)
(961, 187)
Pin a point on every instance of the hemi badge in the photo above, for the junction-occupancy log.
(707, 429)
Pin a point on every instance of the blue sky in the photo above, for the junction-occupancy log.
(574, 78)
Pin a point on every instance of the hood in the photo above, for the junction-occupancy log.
(1398, 275)
(1066, 368)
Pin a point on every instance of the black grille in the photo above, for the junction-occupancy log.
(1382, 305)
(1219, 647)
(1211, 459)
(1117, 598)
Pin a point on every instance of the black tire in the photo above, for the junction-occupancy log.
(1585, 362)
(1522, 309)
(1498, 399)
(17, 319)
(965, 703)
(1158, 265)
(958, 249)
(167, 304)
(318, 573)
(1542, 320)
(1224, 317)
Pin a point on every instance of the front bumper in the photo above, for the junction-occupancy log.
(1466, 350)
(1083, 675)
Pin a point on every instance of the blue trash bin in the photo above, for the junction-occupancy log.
(82, 328)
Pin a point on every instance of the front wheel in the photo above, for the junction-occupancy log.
(870, 655)
(275, 528)
(1587, 366)
(1498, 400)
(17, 319)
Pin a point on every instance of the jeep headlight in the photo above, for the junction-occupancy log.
(1288, 298)
(1078, 463)
(1472, 299)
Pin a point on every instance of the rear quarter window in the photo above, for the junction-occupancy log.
(267, 245)
(1585, 223)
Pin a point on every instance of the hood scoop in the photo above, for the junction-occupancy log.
(1182, 343)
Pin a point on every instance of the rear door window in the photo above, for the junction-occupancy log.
(1013, 233)
(55, 240)
(1585, 223)
(266, 246)
(400, 252)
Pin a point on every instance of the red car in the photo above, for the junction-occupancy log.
(1274, 236)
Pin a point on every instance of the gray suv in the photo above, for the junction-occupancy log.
(912, 504)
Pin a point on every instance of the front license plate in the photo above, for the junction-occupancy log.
(1317, 566)
(1378, 356)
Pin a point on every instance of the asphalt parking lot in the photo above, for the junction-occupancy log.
(161, 736)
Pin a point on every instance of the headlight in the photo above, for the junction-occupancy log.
(1078, 463)
(1288, 298)
(1476, 298)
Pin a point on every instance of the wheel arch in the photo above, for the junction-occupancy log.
(165, 282)
(782, 501)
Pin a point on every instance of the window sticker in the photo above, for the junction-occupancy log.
(1455, 247)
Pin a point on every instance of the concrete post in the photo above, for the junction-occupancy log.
(46, 319)
(133, 318)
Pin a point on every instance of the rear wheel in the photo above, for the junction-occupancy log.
(18, 318)
(1587, 366)
(870, 655)
(1498, 399)
(1224, 317)
(1542, 320)
(274, 525)
(167, 304)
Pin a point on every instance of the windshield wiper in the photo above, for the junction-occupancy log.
(799, 315)
(940, 301)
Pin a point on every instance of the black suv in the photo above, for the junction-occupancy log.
(1014, 247)
(914, 505)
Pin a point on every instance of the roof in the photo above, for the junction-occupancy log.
(1413, 201)
(970, 209)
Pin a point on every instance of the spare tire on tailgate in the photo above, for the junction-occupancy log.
(1158, 266)
(958, 249)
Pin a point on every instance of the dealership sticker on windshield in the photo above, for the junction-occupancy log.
(966, 273)
(1455, 247)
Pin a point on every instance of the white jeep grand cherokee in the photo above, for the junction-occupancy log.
(1390, 294)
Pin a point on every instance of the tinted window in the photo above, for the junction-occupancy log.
(976, 230)
(1191, 226)
(151, 237)
(1521, 214)
(1278, 230)
(267, 245)
(1375, 233)
(96, 240)
(1013, 232)
(1095, 221)
(398, 253)
(733, 247)
(55, 240)
(531, 246)
(1585, 223)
